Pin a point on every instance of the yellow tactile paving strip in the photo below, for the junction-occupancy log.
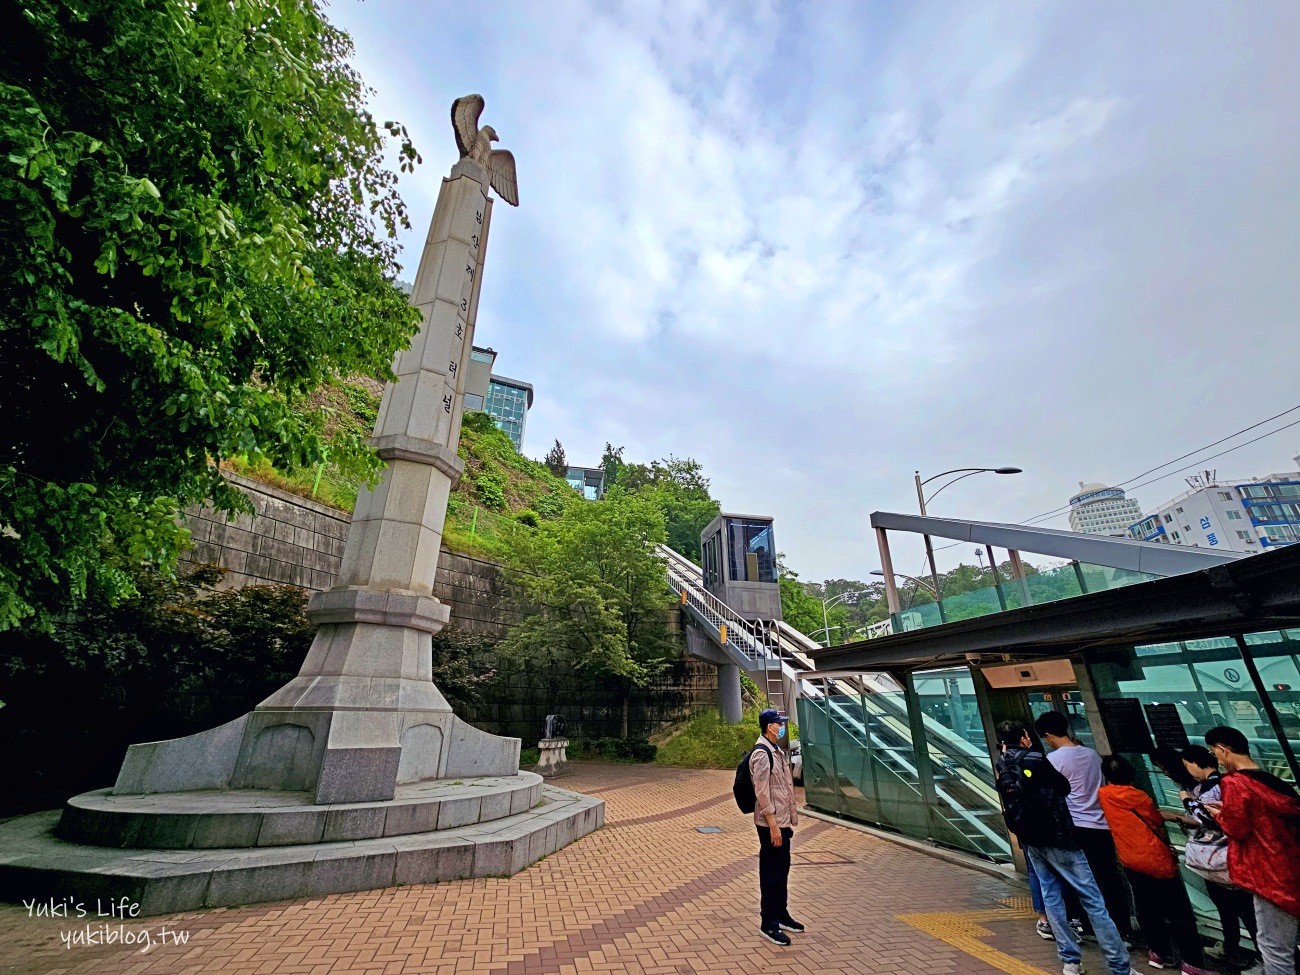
(964, 932)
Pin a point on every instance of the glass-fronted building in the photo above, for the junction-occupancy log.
(738, 556)
(508, 402)
(587, 481)
(1152, 664)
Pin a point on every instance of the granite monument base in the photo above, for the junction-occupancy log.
(175, 852)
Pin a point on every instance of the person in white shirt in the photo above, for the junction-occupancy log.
(1082, 766)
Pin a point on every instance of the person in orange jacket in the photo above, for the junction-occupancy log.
(1163, 910)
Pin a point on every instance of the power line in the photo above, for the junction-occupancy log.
(1061, 510)
(1219, 454)
(1215, 444)
(1058, 511)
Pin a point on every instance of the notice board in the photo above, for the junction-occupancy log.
(1125, 726)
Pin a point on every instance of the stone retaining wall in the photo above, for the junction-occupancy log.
(291, 541)
(295, 541)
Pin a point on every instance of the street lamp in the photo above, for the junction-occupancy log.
(922, 499)
(826, 623)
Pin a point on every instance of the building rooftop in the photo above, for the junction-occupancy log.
(516, 383)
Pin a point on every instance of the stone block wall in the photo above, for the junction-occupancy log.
(295, 541)
(481, 600)
(291, 541)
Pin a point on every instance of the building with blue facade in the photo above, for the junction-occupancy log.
(507, 401)
(1231, 515)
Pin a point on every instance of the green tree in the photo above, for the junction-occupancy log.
(555, 460)
(596, 595)
(196, 230)
(802, 609)
(679, 489)
(611, 462)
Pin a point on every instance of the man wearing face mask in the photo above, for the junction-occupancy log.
(775, 817)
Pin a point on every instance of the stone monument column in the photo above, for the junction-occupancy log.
(364, 715)
(364, 699)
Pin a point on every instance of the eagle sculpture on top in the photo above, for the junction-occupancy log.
(476, 144)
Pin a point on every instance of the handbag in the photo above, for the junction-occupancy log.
(1206, 854)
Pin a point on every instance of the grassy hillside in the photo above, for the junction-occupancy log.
(499, 490)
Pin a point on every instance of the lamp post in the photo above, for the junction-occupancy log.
(826, 623)
(921, 499)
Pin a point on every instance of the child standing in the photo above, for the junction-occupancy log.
(1163, 910)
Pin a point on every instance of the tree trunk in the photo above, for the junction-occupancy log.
(626, 698)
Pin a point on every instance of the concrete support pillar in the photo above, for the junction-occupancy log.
(729, 705)
(1018, 570)
(887, 567)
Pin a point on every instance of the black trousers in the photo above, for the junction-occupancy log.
(773, 876)
(1166, 917)
(1099, 849)
(1236, 907)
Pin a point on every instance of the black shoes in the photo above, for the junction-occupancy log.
(777, 935)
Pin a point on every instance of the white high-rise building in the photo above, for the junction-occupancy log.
(1101, 510)
(1237, 515)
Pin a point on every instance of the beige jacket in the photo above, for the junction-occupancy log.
(773, 784)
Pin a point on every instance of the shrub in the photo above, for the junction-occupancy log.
(612, 749)
(491, 491)
(477, 421)
(553, 503)
(706, 741)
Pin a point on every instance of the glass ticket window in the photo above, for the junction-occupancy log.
(1069, 702)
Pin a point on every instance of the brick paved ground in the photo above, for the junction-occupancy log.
(647, 894)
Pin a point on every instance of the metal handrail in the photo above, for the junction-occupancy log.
(683, 580)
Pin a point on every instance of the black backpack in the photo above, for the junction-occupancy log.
(743, 787)
(1036, 814)
(1011, 790)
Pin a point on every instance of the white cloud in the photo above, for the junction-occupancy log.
(817, 249)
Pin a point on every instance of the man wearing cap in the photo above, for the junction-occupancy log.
(775, 817)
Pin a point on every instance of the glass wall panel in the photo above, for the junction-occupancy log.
(751, 551)
(854, 759)
(966, 812)
(820, 790)
(981, 602)
(711, 563)
(894, 765)
(882, 777)
(1062, 582)
(917, 617)
(1276, 654)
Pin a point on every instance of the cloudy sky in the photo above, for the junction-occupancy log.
(818, 246)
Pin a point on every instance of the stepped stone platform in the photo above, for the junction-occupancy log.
(151, 849)
(224, 818)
